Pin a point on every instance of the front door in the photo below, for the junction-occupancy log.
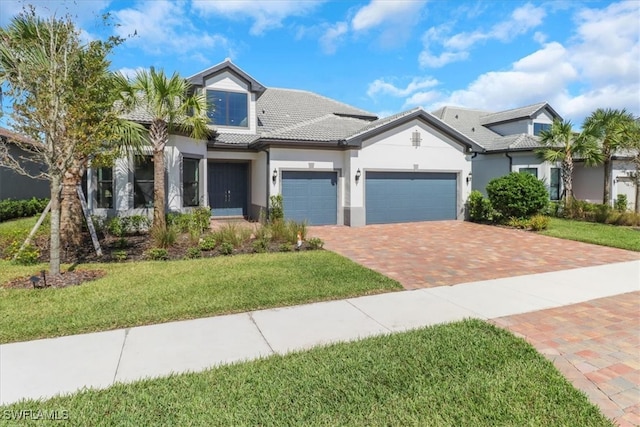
(228, 189)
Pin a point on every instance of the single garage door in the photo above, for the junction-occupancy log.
(410, 196)
(310, 196)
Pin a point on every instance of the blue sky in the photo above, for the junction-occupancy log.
(389, 56)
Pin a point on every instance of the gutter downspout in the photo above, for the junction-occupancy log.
(267, 180)
(510, 160)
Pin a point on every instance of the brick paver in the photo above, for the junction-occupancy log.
(596, 345)
(442, 253)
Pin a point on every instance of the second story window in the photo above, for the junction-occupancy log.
(539, 127)
(229, 108)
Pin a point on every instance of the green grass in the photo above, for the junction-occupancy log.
(591, 232)
(462, 374)
(141, 293)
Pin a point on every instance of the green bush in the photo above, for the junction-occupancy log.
(539, 222)
(11, 209)
(119, 255)
(522, 223)
(621, 203)
(276, 211)
(28, 256)
(315, 243)
(260, 245)
(233, 234)
(601, 212)
(226, 248)
(285, 247)
(518, 195)
(156, 254)
(208, 243)
(193, 253)
(479, 207)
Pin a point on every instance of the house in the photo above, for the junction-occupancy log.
(14, 185)
(331, 162)
(508, 140)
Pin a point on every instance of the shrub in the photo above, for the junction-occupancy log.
(479, 207)
(164, 238)
(621, 203)
(28, 256)
(539, 222)
(276, 211)
(156, 254)
(514, 222)
(518, 195)
(315, 243)
(201, 218)
(261, 245)
(285, 247)
(193, 253)
(11, 209)
(226, 248)
(293, 228)
(119, 255)
(233, 234)
(138, 223)
(207, 243)
(601, 212)
(116, 226)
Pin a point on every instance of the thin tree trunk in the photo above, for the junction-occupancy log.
(637, 182)
(54, 246)
(159, 135)
(567, 179)
(606, 194)
(159, 220)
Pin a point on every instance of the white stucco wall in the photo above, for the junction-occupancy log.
(588, 182)
(178, 148)
(393, 150)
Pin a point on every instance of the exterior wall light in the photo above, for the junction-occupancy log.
(469, 178)
(274, 176)
(358, 175)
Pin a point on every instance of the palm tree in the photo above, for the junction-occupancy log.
(560, 144)
(169, 105)
(612, 129)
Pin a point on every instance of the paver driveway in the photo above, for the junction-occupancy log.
(442, 253)
(596, 345)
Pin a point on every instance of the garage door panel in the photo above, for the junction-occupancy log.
(410, 196)
(310, 196)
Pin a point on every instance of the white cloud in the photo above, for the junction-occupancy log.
(421, 98)
(176, 34)
(130, 72)
(266, 14)
(380, 86)
(456, 48)
(378, 12)
(332, 36)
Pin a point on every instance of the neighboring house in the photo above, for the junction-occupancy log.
(14, 185)
(331, 162)
(509, 139)
(589, 181)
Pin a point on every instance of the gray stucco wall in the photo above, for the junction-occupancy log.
(485, 167)
(19, 187)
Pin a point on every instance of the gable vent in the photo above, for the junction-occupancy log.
(416, 138)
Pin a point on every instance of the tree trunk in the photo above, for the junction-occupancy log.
(567, 179)
(54, 246)
(159, 220)
(637, 182)
(71, 215)
(159, 136)
(606, 194)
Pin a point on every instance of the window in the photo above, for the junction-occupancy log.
(532, 171)
(143, 182)
(539, 127)
(554, 184)
(229, 108)
(104, 195)
(190, 182)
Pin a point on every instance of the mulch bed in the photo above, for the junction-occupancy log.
(62, 280)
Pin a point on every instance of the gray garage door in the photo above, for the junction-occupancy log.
(410, 196)
(310, 197)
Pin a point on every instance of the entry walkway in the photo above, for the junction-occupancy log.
(44, 368)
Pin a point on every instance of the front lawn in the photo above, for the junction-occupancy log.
(468, 373)
(592, 232)
(141, 293)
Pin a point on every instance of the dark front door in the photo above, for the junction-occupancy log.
(228, 189)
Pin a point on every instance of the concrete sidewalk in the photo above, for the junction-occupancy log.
(44, 368)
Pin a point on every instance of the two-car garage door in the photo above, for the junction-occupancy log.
(410, 196)
(312, 196)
